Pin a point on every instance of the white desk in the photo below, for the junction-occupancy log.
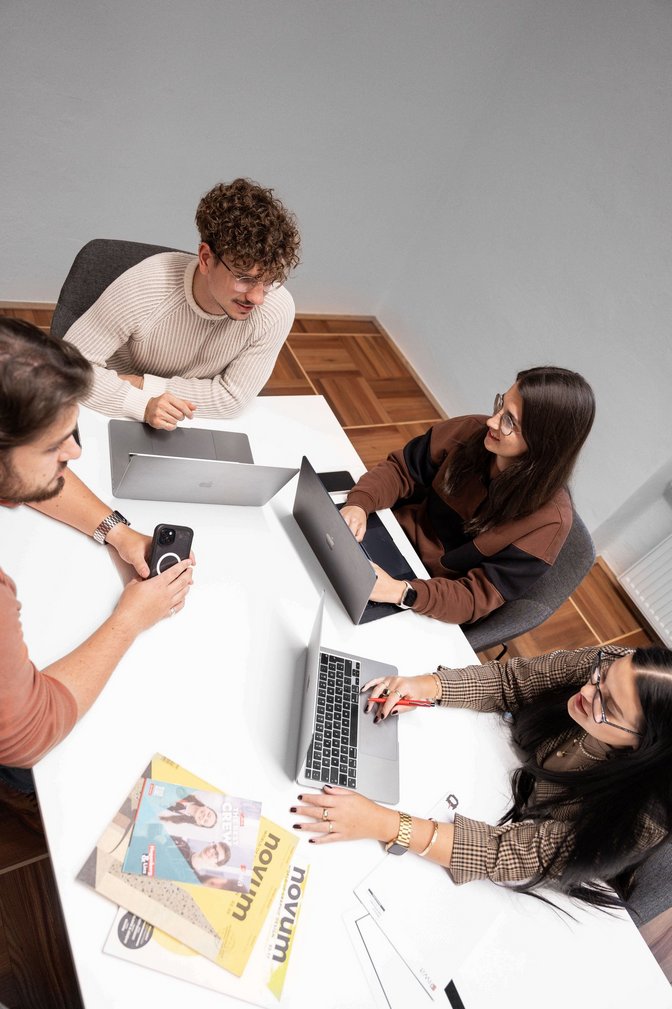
(217, 689)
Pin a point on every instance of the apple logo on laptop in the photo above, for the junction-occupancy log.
(330, 541)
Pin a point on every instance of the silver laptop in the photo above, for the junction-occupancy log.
(189, 464)
(338, 743)
(346, 562)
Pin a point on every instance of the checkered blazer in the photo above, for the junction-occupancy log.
(516, 852)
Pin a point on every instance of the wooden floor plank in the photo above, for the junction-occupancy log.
(351, 398)
(565, 629)
(320, 355)
(334, 324)
(403, 400)
(602, 608)
(42, 969)
(287, 377)
(374, 444)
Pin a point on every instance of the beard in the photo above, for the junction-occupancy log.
(14, 491)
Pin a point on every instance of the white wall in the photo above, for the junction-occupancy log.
(118, 116)
(551, 239)
(489, 177)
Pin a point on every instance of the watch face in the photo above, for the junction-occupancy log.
(396, 849)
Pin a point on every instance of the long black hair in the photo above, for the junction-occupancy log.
(610, 795)
(558, 413)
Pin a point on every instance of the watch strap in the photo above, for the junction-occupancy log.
(399, 846)
(409, 597)
(115, 518)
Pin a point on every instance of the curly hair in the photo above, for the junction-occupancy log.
(246, 223)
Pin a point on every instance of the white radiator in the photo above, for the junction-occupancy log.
(649, 585)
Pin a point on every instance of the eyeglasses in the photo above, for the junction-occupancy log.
(507, 425)
(597, 676)
(245, 283)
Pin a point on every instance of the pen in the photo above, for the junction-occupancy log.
(406, 702)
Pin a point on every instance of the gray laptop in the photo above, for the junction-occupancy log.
(346, 562)
(189, 464)
(338, 743)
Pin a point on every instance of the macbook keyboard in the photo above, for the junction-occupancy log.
(332, 756)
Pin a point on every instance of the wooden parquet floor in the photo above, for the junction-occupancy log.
(380, 404)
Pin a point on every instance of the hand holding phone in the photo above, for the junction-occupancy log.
(170, 545)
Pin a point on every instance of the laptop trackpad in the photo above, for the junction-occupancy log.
(379, 740)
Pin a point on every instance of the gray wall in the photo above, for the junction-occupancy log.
(490, 178)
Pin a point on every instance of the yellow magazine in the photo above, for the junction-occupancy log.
(263, 980)
(218, 924)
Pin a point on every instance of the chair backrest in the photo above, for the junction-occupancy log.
(544, 597)
(95, 266)
(652, 892)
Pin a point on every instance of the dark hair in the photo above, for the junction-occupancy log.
(249, 225)
(187, 853)
(610, 795)
(558, 413)
(180, 817)
(40, 377)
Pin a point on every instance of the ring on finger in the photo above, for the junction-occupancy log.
(331, 827)
(398, 692)
(325, 813)
(172, 611)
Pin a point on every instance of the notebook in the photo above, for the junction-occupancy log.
(338, 743)
(194, 465)
(345, 561)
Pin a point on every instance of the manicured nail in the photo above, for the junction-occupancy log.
(292, 809)
(311, 840)
(296, 826)
(376, 720)
(300, 798)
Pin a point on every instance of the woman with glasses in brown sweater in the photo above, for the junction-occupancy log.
(484, 500)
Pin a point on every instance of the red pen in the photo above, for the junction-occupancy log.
(406, 702)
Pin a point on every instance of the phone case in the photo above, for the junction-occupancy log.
(170, 545)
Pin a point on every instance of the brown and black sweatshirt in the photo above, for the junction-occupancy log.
(470, 577)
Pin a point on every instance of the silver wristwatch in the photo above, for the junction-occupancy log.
(107, 525)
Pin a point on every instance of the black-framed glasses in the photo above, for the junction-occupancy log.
(245, 283)
(507, 425)
(598, 675)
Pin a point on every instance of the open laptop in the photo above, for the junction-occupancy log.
(345, 561)
(189, 464)
(338, 743)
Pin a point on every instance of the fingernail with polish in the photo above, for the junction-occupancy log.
(296, 826)
(292, 809)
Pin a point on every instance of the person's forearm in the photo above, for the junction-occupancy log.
(86, 670)
(76, 505)
(422, 835)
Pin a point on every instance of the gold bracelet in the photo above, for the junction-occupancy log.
(434, 837)
(439, 686)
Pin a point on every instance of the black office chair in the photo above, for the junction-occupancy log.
(652, 890)
(95, 266)
(572, 564)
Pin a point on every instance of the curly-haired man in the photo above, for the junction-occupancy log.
(180, 333)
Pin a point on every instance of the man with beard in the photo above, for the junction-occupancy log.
(180, 333)
(41, 381)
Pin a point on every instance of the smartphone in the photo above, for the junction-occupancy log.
(170, 545)
(337, 481)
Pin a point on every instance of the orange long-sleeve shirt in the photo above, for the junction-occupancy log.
(36, 711)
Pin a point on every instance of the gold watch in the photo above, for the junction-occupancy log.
(399, 846)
